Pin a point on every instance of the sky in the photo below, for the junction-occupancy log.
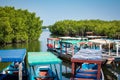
(51, 11)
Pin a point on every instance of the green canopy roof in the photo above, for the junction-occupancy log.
(41, 58)
(72, 41)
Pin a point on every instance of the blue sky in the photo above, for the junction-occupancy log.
(51, 11)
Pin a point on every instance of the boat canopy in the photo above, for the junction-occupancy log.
(71, 41)
(14, 55)
(88, 54)
(55, 39)
(64, 37)
(42, 58)
(96, 37)
(73, 38)
(101, 41)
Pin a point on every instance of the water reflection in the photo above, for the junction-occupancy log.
(31, 46)
(43, 39)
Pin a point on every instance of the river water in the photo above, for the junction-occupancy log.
(40, 45)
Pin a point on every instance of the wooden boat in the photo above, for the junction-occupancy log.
(89, 65)
(37, 70)
(16, 57)
(53, 43)
(66, 46)
(67, 49)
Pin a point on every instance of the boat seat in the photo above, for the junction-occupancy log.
(84, 75)
(90, 71)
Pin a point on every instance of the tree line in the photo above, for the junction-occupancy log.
(98, 27)
(17, 25)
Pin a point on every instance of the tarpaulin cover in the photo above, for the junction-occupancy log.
(88, 54)
(13, 55)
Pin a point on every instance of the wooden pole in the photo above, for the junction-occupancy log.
(66, 48)
(109, 49)
(73, 70)
(20, 71)
(72, 50)
(117, 49)
(60, 71)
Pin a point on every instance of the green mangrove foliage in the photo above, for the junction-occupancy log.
(18, 25)
(98, 27)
